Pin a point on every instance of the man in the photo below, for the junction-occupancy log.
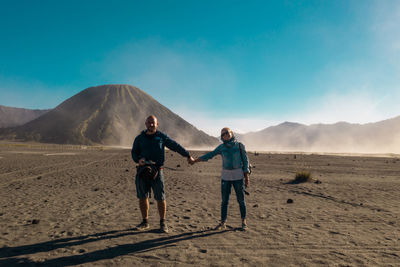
(149, 146)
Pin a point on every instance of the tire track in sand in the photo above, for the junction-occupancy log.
(32, 169)
(55, 171)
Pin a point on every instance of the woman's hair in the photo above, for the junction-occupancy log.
(226, 129)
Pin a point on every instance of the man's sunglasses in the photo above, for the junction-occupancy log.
(224, 133)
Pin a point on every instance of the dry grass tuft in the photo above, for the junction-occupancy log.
(301, 177)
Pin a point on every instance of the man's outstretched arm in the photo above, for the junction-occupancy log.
(174, 146)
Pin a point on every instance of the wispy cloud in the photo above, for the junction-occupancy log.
(190, 80)
(354, 107)
(212, 124)
(365, 88)
(385, 25)
(177, 74)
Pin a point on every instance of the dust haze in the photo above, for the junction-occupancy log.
(379, 137)
(113, 115)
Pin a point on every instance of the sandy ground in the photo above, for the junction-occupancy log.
(63, 206)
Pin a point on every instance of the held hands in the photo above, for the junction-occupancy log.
(190, 160)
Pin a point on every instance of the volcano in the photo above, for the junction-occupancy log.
(106, 115)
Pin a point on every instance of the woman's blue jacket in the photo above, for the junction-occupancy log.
(231, 156)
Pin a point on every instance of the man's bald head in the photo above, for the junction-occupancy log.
(151, 117)
(151, 124)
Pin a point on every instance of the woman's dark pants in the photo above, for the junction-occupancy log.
(226, 187)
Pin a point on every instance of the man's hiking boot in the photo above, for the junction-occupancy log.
(163, 227)
(221, 226)
(144, 225)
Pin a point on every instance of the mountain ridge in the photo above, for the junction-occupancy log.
(375, 137)
(12, 116)
(109, 115)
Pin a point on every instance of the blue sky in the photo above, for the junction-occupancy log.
(243, 64)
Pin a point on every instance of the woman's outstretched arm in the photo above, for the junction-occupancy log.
(208, 155)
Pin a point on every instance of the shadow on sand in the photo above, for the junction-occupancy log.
(10, 256)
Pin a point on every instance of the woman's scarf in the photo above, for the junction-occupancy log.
(231, 142)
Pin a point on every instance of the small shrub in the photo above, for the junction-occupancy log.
(302, 177)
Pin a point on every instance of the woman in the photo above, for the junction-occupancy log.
(235, 172)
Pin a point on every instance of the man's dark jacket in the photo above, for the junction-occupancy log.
(152, 147)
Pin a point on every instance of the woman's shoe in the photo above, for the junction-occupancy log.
(244, 226)
(221, 226)
(163, 227)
